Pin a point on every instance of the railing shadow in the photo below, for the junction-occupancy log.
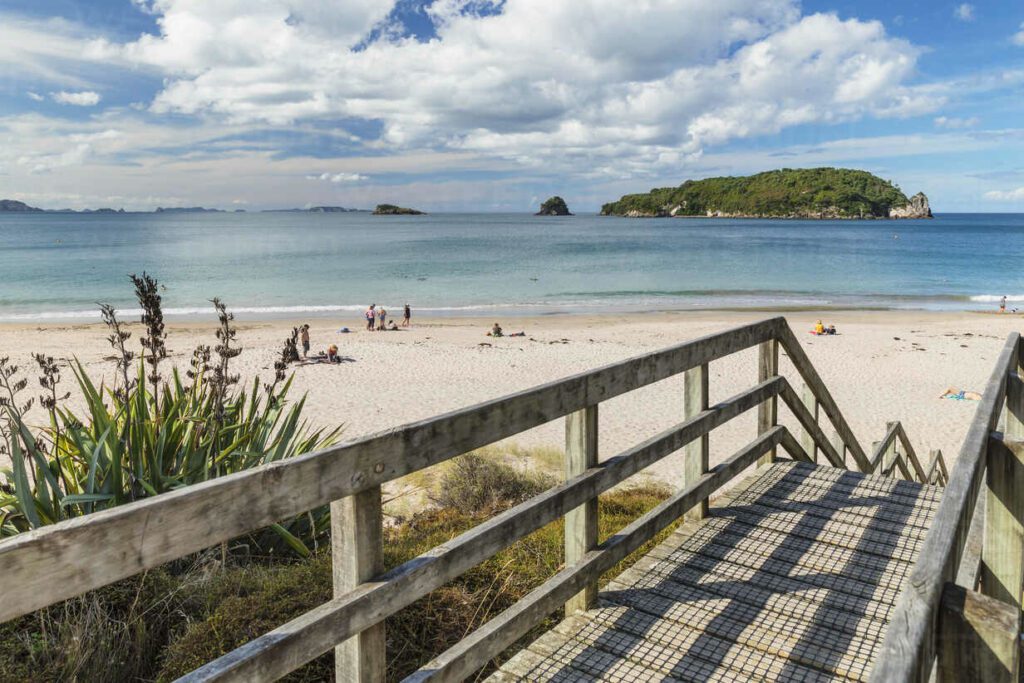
(832, 604)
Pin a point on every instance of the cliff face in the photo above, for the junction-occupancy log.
(917, 207)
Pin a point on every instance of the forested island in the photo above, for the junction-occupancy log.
(786, 193)
(392, 210)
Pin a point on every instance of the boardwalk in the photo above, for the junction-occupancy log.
(804, 571)
(792, 577)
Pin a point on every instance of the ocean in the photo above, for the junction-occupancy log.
(56, 267)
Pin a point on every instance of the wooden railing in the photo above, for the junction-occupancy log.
(895, 453)
(969, 634)
(47, 565)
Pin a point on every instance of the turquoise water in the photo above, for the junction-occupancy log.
(57, 266)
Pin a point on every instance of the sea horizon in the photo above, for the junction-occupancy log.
(56, 267)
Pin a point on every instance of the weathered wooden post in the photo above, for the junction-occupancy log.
(357, 556)
(806, 440)
(889, 457)
(767, 412)
(1002, 573)
(978, 638)
(695, 455)
(839, 445)
(581, 522)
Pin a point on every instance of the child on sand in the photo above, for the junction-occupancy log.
(383, 318)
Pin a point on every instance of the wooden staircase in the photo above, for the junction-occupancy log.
(792, 576)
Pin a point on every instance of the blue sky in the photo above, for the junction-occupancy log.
(495, 104)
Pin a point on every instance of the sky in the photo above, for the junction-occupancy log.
(494, 105)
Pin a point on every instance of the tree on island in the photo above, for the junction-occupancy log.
(554, 206)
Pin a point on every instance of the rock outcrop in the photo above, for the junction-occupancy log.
(917, 207)
(554, 206)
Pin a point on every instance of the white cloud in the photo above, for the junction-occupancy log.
(964, 12)
(35, 96)
(1006, 196)
(953, 122)
(339, 177)
(86, 98)
(602, 86)
(1018, 37)
(51, 50)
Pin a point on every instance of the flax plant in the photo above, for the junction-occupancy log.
(149, 434)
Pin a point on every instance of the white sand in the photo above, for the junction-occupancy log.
(439, 365)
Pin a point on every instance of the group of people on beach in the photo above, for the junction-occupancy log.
(377, 318)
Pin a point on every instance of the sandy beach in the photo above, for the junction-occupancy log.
(884, 365)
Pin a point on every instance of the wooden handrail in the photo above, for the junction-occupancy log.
(60, 561)
(909, 647)
(798, 357)
(315, 632)
(492, 638)
(57, 562)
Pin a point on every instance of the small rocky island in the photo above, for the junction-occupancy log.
(554, 206)
(392, 210)
(820, 193)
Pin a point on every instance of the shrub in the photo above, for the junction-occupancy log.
(475, 483)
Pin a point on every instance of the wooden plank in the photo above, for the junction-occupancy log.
(858, 484)
(695, 456)
(811, 427)
(808, 440)
(803, 365)
(767, 412)
(581, 522)
(979, 638)
(357, 555)
(890, 455)
(911, 457)
(479, 647)
(60, 561)
(970, 561)
(315, 632)
(881, 456)
(909, 648)
(1002, 556)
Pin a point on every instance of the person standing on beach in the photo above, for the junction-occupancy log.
(406, 316)
(371, 316)
(1002, 304)
(383, 318)
(304, 338)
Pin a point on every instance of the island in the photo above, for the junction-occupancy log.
(316, 209)
(821, 193)
(186, 209)
(392, 210)
(14, 206)
(554, 206)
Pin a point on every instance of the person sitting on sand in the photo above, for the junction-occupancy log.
(960, 394)
(393, 327)
(819, 328)
(495, 331)
(831, 330)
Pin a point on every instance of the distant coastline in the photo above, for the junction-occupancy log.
(15, 206)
